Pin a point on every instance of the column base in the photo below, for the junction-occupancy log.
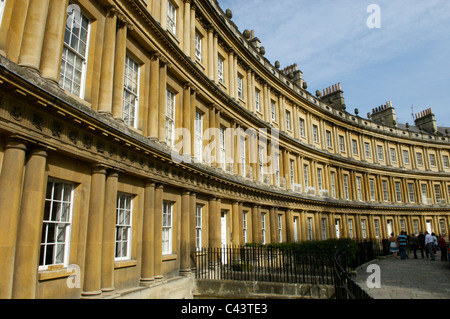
(185, 272)
(146, 282)
(91, 294)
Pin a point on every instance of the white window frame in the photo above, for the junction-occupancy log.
(329, 140)
(220, 73)
(405, 157)
(359, 188)
(398, 191)
(240, 86)
(445, 161)
(198, 137)
(419, 159)
(131, 117)
(319, 178)
(380, 152)
(437, 193)
(363, 229)
(333, 184)
(277, 169)
(263, 228)
(411, 191)
(198, 227)
(242, 155)
(393, 155)
(62, 227)
(310, 229)
(432, 160)
(261, 163)
(292, 172)
(167, 228)
(198, 46)
(171, 17)
(385, 186)
(306, 175)
(316, 133)
(2, 9)
(376, 224)
(324, 229)
(302, 127)
(350, 228)
(341, 143)
(372, 189)
(288, 120)
(280, 229)
(273, 109)
(245, 226)
(223, 151)
(367, 150)
(170, 117)
(355, 147)
(123, 226)
(346, 190)
(76, 55)
(257, 100)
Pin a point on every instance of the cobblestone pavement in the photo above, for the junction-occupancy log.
(407, 279)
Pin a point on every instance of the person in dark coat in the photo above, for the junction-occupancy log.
(422, 247)
(443, 246)
(414, 244)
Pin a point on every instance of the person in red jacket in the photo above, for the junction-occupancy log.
(443, 246)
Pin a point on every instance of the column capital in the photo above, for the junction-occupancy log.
(111, 11)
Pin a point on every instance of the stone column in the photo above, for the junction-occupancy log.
(231, 74)
(109, 231)
(153, 107)
(158, 207)
(29, 233)
(273, 212)
(289, 226)
(256, 231)
(216, 57)
(187, 28)
(54, 39)
(185, 264)
(33, 34)
(192, 223)
(213, 222)
(250, 93)
(148, 235)
(93, 261)
(119, 69)
(163, 16)
(193, 104)
(235, 214)
(5, 26)
(10, 196)
(210, 39)
(16, 28)
(107, 67)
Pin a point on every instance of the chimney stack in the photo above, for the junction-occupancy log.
(426, 120)
(334, 96)
(385, 114)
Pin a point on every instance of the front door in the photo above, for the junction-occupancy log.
(389, 227)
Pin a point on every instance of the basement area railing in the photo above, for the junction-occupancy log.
(285, 265)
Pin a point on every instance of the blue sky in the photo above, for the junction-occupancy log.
(406, 60)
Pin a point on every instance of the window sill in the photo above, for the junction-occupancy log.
(54, 274)
(124, 263)
(169, 257)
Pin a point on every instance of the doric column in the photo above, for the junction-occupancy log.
(119, 69)
(29, 232)
(273, 212)
(256, 231)
(231, 74)
(93, 261)
(211, 53)
(216, 57)
(187, 27)
(148, 235)
(290, 226)
(10, 196)
(213, 222)
(54, 39)
(107, 67)
(16, 28)
(33, 34)
(236, 238)
(192, 224)
(217, 133)
(153, 107)
(193, 105)
(185, 263)
(158, 209)
(109, 231)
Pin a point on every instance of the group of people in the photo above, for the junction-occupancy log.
(427, 243)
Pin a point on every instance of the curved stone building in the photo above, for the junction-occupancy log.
(135, 132)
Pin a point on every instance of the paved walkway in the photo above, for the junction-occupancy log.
(407, 279)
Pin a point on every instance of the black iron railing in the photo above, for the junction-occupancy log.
(265, 264)
(288, 265)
